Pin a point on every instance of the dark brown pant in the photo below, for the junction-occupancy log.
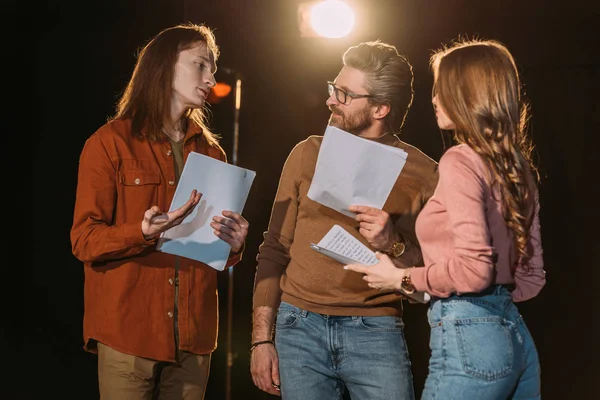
(126, 377)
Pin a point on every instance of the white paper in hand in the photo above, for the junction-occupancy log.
(224, 187)
(340, 245)
(345, 248)
(354, 170)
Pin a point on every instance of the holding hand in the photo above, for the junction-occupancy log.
(155, 221)
(383, 275)
(376, 226)
(232, 229)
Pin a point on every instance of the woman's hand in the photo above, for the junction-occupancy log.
(383, 275)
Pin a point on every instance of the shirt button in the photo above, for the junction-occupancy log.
(171, 183)
(170, 281)
(170, 314)
(169, 152)
(137, 181)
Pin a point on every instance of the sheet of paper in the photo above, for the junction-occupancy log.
(354, 170)
(223, 187)
(340, 245)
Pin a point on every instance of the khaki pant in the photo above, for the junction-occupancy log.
(126, 377)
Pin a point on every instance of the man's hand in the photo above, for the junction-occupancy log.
(155, 221)
(264, 362)
(264, 366)
(376, 226)
(233, 229)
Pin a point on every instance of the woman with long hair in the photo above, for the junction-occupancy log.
(479, 233)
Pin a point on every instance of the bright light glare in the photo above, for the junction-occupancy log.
(332, 19)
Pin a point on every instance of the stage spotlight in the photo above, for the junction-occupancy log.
(327, 18)
(219, 92)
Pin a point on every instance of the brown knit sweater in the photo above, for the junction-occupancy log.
(289, 270)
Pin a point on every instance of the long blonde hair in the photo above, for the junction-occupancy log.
(477, 84)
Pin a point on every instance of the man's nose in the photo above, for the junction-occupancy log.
(332, 100)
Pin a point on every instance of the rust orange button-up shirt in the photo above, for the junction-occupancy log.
(130, 286)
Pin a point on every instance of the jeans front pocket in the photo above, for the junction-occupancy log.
(382, 324)
(485, 347)
(287, 316)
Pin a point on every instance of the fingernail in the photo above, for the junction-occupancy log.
(345, 267)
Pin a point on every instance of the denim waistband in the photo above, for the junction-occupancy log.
(497, 289)
(493, 289)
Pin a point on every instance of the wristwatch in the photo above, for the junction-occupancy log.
(398, 248)
(406, 284)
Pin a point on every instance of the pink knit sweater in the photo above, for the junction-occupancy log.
(465, 242)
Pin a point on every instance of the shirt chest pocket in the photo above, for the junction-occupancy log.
(138, 177)
(140, 187)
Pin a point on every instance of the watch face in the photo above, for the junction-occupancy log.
(407, 285)
(398, 249)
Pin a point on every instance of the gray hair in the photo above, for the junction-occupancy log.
(388, 76)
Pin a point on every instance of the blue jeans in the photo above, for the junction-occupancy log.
(480, 349)
(320, 354)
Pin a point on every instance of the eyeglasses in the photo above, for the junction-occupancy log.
(343, 96)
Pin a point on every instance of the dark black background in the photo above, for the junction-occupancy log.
(83, 55)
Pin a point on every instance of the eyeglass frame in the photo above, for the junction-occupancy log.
(332, 88)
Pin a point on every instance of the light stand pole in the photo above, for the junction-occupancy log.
(236, 131)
